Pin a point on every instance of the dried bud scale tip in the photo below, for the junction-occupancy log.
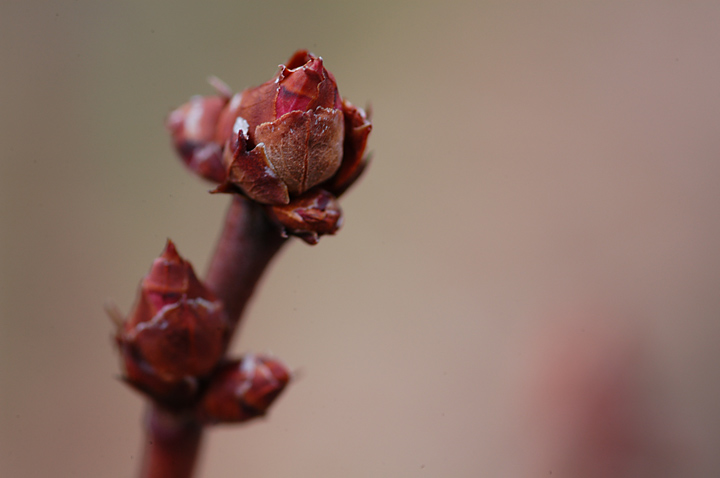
(177, 331)
(276, 142)
(221, 88)
(243, 389)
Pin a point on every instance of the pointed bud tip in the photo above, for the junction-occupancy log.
(168, 270)
(170, 252)
(314, 64)
(298, 59)
(170, 277)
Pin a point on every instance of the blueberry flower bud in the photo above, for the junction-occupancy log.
(309, 216)
(177, 332)
(243, 389)
(193, 127)
(278, 141)
(293, 127)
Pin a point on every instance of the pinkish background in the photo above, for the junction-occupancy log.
(527, 282)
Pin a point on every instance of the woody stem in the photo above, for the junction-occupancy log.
(246, 246)
(172, 443)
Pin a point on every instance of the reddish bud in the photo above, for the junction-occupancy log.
(290, 128)
(141, 376)
(177, 331)
(193, 127)
(184, 338)
(302, 85)
(170, 278)
(309, 216)
(278, 141)
(243, 389)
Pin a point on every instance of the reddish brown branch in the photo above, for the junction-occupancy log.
(172, 444)
(247, 244)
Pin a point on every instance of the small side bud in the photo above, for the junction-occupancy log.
(309, 216)
(192, 127)
(243, 389)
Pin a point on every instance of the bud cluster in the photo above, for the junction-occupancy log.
(292, 144)
(172, 349)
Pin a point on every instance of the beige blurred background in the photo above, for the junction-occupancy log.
(526, 283)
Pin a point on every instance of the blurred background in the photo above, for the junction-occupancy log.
(526, 283)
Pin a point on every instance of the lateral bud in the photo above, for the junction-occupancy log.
(193, 129)
(177, 332)
(241, 390)
(309, 216)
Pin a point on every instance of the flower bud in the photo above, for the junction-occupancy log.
(193, 127)
(243, 389)
(279, 141)
(309, 216)
(178, 330)
(290, 128)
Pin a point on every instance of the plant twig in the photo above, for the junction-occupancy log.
(172, 444)
(246, 246)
